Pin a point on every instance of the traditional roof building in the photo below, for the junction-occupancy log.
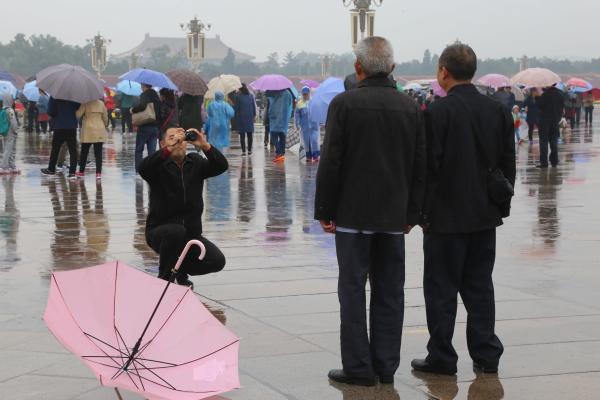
(215, 49)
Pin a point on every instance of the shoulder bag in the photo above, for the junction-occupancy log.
(147, 116)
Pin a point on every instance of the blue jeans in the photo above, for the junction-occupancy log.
(278, 139)
(146, 136)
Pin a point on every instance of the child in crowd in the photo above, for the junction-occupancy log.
(516, 113)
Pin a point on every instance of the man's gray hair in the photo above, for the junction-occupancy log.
(375, 54)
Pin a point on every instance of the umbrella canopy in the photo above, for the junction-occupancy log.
(535, 77)
(8, 87)
(149, 77)
(31, 91)
(6, 76)
(437, 89)
(319, 104)
(184, 352)
(70, 82)
(578, 85)
(188, 82)
(129, 88)
(271, 82)
(413, 86)
(223, 83)
(310, 83)
(495, 81)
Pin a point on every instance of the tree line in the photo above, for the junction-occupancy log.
(28, 55)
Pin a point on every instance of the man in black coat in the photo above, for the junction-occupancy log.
(176, 182)
(467, 134)
(551, 105)
(370, 187)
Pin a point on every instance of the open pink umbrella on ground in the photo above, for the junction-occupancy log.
(271, 82)
(142, 334)
(495, 81)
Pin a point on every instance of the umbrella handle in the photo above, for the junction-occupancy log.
(185, 251)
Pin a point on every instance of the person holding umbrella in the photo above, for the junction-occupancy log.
(93, 132)
(588, 105)
(64, 125)
(280, 112)
(552, 105)
(245, 112)
(147, 134)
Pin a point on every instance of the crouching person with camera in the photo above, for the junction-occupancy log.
(176, 181)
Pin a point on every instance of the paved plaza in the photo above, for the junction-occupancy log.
(278, 290)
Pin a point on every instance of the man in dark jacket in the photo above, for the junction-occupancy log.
(370, 187)
(64, 124)
(147, 134)
(467, 134)
(533, 113)
(551, 105)
(176, 182)
(505, 97)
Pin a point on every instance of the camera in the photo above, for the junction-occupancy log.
(191, 136)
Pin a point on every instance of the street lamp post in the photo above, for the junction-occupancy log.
(362, 18)
(195, 41)
(98, 53)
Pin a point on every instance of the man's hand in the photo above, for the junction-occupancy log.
(201, 142)
(328, 226)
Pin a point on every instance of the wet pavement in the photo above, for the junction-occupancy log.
(278, 290)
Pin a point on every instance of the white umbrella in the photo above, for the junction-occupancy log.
(223, 83)
(535, 77)
(70, 82)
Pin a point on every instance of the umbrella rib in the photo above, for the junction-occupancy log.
(138, 373)
(124, 344)
(101, 341)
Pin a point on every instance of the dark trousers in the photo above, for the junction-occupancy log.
(32, 122)
(267, 134)
(146, 136)
(461, 264)
(111, 120)
(589, 112)
(44, 126)
(531, 125)
(61, 136)
(577, 115)
(379, 257)
(243, 136)
(169, 241)
(126, 119)
(278, 139)
(549, 133)
(85, 150)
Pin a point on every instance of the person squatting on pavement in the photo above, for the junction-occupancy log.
(470, 177)
(176, 181)
(370, 188)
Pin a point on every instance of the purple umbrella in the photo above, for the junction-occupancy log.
(271, 82)
(495, 81)
(310, 83)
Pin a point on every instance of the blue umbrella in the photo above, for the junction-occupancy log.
(8, 87)
(31, 91)
(295, 92)
(130, 88)
(6, 76)
(319, 104)
(149, 77)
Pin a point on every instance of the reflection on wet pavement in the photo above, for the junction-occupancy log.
(278, 290)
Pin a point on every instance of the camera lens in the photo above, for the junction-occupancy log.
(191, 136)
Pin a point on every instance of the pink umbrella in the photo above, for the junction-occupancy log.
(495, 81)
(437, 89)
(271, 82)
(535, 77)
(310, 83)
(579, 83)
(175, 349)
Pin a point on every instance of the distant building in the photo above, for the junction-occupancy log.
(215, 49)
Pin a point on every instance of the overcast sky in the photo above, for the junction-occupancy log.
(495, 28)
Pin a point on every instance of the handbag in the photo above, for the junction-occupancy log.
(499, 188)
(147, 116)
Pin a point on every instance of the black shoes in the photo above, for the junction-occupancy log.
(484, 369)
(183, 280)
(339, 376)
(422, 365)
(46, 171)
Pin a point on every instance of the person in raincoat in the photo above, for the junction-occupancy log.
(219, 116)
(310, 129)
(280, 112)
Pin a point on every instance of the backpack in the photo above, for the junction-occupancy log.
(4, 122)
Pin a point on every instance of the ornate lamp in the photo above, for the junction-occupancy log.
(98, 53)
(195, 39)
(362, 18)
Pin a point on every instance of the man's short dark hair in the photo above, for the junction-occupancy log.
(460, 60)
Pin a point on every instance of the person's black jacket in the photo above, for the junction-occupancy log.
(533, 111)
(149, 96)
(457, 199)
(372, 171)
(551, 105)
(190, 111)
(176, 192)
